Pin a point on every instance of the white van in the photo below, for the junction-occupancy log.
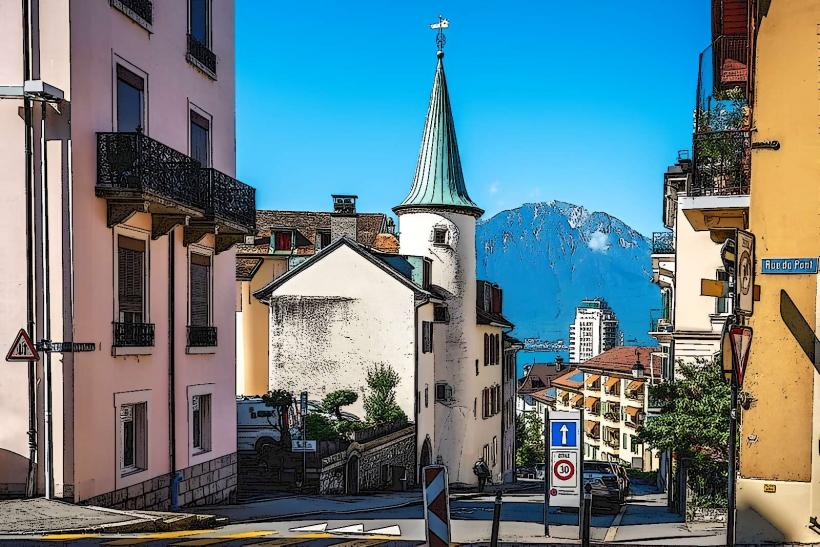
(256, 424)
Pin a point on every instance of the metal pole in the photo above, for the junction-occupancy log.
(496, 519)
(49, 449)
(586, 515)
(547, 473)
(730, 517)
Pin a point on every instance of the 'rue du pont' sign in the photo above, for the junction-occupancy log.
(788, 265)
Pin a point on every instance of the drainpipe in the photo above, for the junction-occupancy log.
(173, 485)
(31, 478)
(49, 448)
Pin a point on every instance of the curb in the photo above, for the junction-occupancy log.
(326, 511)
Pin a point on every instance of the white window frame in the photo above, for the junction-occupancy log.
(195, 455)
(145, 236)
(117, 60)
(125, 477)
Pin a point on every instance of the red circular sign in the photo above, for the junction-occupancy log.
(553, 492)
(563, 469)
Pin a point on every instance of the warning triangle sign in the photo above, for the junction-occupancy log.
(741, 338)
(22, 349)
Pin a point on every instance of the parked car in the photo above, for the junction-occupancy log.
(621, 470)
(525, 472)
(606, 497)
(539, 471)
(608, 472)
(256, 424)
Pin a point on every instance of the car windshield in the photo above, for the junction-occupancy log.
(591, 467)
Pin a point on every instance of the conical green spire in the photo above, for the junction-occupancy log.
(439, 181)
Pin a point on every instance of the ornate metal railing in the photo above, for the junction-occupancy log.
(201, 337)
(722, 163)
(229, 200)
(200, 53)
(130, 335)
(133, 162)
(730, 61)
(143, 9)
(663, 243)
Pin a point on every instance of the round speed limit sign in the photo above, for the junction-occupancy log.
(563, 469)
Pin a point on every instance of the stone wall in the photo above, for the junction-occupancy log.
(206, 483)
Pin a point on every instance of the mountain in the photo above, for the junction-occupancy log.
(549, 256)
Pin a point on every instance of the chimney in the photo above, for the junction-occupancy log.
(343, 219)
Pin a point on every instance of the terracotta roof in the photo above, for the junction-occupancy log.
(573, 380)
(386, 243)
(543, 396)
(540, 376)
(621, 359)
(246, 267)
(307, 224)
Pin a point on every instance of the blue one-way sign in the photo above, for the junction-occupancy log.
(563, 434)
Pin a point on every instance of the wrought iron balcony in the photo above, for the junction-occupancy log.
(201, 337)
(135, 166)
(200, 55)
(229, 202)
(730, 59)
(722, 163)
(663, 243)
(131, 335)
(142, 11)
(612, 417)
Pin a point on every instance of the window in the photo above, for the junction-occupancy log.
(475, 404)
(426, 337)
(486, 349)
(440, 236)
(485, 453)
(283, 240)
(440, 313)
(200, 21)
(476, 367)
(131, 279)
(426, 274)
(625, 445)
(494, 452)
(200, 139)
(133, 438)
(130, 101)
(723, 304)
(200, 290)
(322, 239)
(201, 422)
(444, 392)
(426, 395)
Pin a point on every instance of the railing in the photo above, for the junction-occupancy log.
(376, 431)
(133, 335)
(731, 61)
(143, 9)
(229, 200)
(201, 54)
(133, 162)
(722, 165)
(659, 320)
(663, 243)
(201, 337)
(612, 417)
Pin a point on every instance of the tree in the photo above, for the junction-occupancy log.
(320, 428)
(380, 405)
(529, 428)
(335, 400)
(281, 400)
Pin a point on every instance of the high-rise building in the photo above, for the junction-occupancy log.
(595, 330)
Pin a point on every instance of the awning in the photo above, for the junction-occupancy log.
(634, 384)
(592, 378)
(632, 411)
(612, 381)
(591, 402)
(591, 426)
(577, 399)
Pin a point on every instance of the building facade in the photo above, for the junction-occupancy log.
(614, 403)
(509, 398)
(594, 331)
(134, 214)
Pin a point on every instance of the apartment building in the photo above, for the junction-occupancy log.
(509, 398)
(594, 331)
(134, 212)
(612, 389)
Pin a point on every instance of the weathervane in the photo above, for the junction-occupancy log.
(440, 38)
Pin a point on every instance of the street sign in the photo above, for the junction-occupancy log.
(68, 347)
(728, 255)
(788, 265)
(22, 349)
(300, 445)
(565, 459)
(303, 402)
(745, 273)
(436, 505)
(714, 287)
(727, 356)
(741, 338)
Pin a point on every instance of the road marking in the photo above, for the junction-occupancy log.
(351, 529)
(394, 530)
(312, 528)
(222, 538)
(613, 528)
(68, 537)
(145, 538)
(359, 543)
(284, 542)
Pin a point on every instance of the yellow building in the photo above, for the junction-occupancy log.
(756, 157)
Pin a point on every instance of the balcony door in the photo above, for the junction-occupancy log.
(130, 100)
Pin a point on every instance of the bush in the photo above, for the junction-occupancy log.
(319, 427)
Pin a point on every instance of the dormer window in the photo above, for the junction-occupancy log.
(440, 236)
(282, 240)
(322, 239)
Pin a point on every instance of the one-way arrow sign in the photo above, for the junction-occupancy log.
(22, 349)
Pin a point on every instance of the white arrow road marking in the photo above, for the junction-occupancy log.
(312, 528)
(563, 431)
(386, 531)
(352, 529)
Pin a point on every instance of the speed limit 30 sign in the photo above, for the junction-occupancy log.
(564, 467)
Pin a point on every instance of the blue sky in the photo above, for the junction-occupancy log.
(585, 102)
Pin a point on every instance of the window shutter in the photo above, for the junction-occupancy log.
(486, 349)
(200, 290)
(141, 436)
(131, 279)
(205, 416)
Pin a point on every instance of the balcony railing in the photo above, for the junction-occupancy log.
(659, 321)
(201, 337)
(136, 9)
(722, 165)
(663, 243)
(201, 55)
(229, 200)
(133, 163)
(612, 417)
(133, 335)
(731, 61)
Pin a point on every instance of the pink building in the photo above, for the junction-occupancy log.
(143, 214)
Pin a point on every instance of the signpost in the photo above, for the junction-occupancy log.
(302, 445)
(744, 273)
(436, 505)
(788, 266)
(22, 349)
(564, 465)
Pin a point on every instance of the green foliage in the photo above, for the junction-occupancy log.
(380, 405)
(281, 400)
(319, 427)
(694, 419)
(529, 438)
(335, 400)
(346, 427)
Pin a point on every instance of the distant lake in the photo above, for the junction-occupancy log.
(526, 357)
